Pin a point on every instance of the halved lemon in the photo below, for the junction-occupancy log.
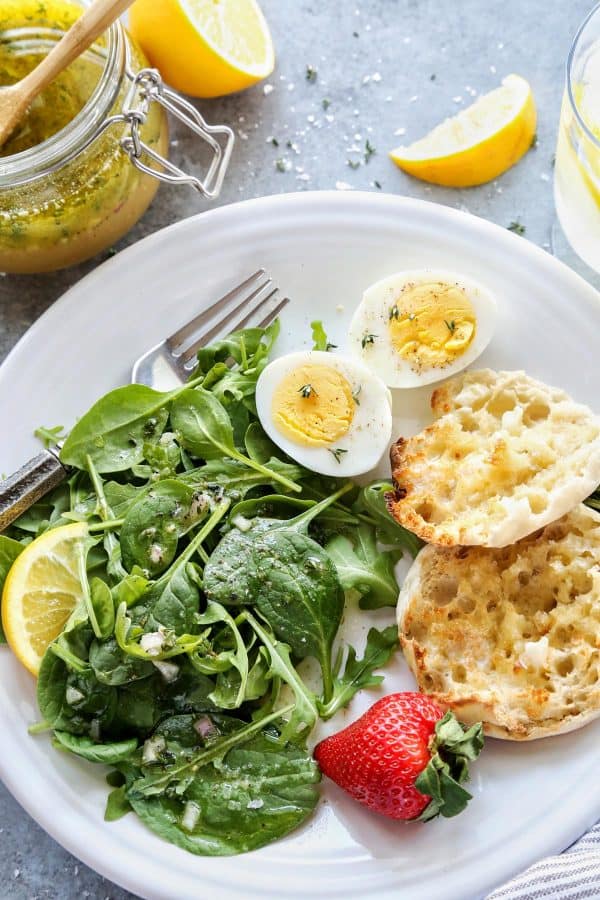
(479, 143)
(41, 590)
(206, 48)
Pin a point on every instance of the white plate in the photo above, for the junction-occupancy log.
(323, 249)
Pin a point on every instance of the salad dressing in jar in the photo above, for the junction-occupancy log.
(85, 163)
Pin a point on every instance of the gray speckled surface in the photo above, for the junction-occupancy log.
(376, 62)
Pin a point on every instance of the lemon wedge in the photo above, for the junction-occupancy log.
(479, 143)
(41, 590)
(206, 48)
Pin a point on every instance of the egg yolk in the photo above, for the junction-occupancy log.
(430, 324)
(313, 406)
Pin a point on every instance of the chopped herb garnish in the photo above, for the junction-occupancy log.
(369, 150)
(329, 346)
(311, 74)
(516, 227)
(280, 165)
(325, 103)
(356, 394)
(337, 453)
(394, 312)
(355, 34)
(353, 163)
(451, 325)
(307, 390)
(275, 142)
(49, 436)
(432, 77)
(553, 160)
(534, 142)
(367, 339)
(377, 185)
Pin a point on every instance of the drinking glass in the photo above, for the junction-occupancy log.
(577, 166)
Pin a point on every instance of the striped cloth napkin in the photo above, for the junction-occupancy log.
(574, 875)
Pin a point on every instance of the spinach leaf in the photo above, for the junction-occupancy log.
(365, 568)
(358, 673)
(259, 446)
(289, 577)
(299, 594)
(9, 550)
(117, 805)
(130, 589)
(109, 753)
(111, 665)
(371, 501)
(205, 429)
(259, 792)
(73, 701)
(113, 432)
(155, 523)
(186, 765)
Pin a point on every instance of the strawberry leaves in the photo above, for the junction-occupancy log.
(452, 750)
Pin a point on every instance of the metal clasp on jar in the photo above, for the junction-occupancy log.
(147, 87)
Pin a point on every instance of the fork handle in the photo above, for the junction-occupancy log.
(21, 490)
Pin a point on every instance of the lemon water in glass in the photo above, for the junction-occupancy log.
(577, 166)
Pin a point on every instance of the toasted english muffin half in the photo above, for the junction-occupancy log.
(510, 636)
(505, 456)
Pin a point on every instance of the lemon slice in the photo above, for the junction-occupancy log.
(41, 590)
(479, 143)
(206, 48)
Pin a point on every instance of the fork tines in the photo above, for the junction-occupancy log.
(255, 301)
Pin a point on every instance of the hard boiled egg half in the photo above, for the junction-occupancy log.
(420, 326)
(327, 411)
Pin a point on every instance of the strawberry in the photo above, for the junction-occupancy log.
(403, 758)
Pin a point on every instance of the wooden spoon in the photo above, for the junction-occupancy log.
(15, 99)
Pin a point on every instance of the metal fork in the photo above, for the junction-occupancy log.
(256, 301)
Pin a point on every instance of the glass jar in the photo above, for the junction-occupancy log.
(76, 193)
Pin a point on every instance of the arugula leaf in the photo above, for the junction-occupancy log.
(365, 568)
(236, 658)
(249, 348)
(319, 337)
(371, 500)
(358, 673)
(235, 478)
(9, 550)
(304, 715)
(205, 429)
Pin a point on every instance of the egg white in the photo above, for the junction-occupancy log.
(370, 431)
(372, 315)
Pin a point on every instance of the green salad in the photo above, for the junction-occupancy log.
(212, 567)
